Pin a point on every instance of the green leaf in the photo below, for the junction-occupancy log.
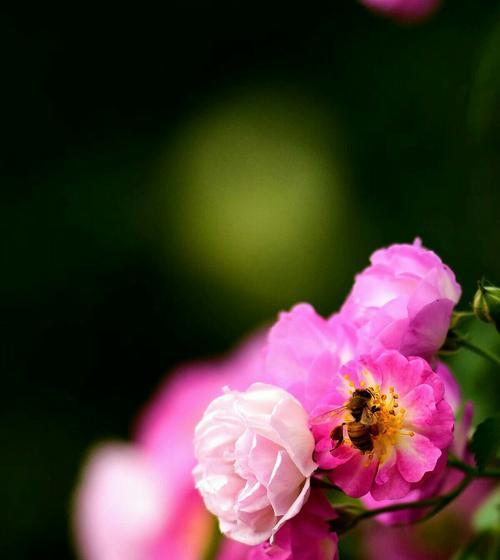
(486, 441)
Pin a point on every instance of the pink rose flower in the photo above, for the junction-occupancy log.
(156, 470)
(441, 480)
(254, 452)
(402, 301)
(404, 10)
(306, 537)
(454, 524)
(304, 350)
(409, 426)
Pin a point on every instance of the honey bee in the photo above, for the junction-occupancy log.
(363, 426)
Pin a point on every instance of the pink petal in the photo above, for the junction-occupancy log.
(427, 330)
(420, 406)
(385, 468)
(355, 477)
(416, 456)
(285, 477)
(395, 488)
(399, 372)
(452, 393)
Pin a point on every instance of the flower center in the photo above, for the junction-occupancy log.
(389, 421)
(383, 418)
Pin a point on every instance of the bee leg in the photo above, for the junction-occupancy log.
(337, 435)
(374, 430)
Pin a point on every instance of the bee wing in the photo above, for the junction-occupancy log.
(326, 416)
(367, 417)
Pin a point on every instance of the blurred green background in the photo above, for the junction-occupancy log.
(174, 176)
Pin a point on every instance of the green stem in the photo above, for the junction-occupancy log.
(447, 498)
(483, 352)
(463, 314)
(437, 504)
(476, 473)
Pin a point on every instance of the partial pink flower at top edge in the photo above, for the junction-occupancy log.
(254, 452)
(402, 301)
(306, 537)
(404, 10)
(394, 436)
(304, 350)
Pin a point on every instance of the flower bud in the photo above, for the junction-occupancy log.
(486, 304)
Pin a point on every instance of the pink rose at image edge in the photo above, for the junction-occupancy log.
(402, 301)
(159, 466)
(254, 451)
(404, 10)
(414, 422)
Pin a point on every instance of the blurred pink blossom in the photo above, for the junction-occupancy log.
(138, 501)
(122, 505)
(404, 10)
(414, 424)
(254, 452)
(402, 301)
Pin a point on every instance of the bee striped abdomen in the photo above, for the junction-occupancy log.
(360, 436)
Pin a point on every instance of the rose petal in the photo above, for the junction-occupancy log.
(416, 456)
(355, 477)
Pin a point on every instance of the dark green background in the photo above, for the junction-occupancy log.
(97, 303)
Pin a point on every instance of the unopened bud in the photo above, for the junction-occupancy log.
(486, 304)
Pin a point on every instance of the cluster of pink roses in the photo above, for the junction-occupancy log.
(360, 398)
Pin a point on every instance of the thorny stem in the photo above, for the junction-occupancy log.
(436, 504)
